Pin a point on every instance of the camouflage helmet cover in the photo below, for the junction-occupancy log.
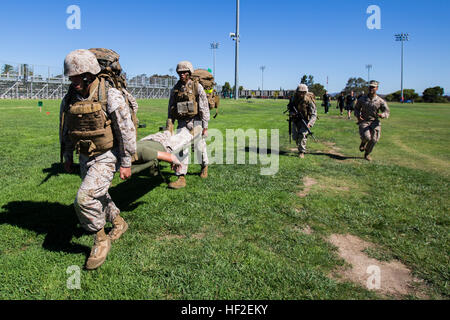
(373, 83)
(80, 61)
(302, 88)
(185, 66)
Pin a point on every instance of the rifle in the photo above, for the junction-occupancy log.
(297, 116)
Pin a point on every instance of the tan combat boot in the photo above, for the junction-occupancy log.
(204, 173)
(180, 183)
(119, 228)
(102, 245)
(301, 155)
(367, 157)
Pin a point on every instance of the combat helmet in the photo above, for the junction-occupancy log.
(302, 88)
(185, 66)
(80, 61)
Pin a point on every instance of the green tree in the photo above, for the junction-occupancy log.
(308, 80)
(226, 89)
(356, 85)
(434, 94)
(317, 89)
(7, 68)
(408, 94)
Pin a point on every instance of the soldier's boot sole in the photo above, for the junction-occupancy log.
(118, 230)
(98, 254)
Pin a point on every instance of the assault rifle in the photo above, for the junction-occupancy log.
(297, 117)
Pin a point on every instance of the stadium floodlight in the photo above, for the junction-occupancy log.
(262, 76)
(236, 37)
(402, 37)
(368, 67)
(214, 47)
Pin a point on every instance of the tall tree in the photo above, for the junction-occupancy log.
(308, 80)
(356, 85)
(408, 94)
(226, 89)
(7, 68)
(317, 89)
(434, 94)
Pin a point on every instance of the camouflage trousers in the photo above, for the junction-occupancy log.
(370, 132)
(300, 136)
(93, 204)
(199, 150)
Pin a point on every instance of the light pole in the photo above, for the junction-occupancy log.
(214, 47)
(262, 76)
(402, 37)
(368, 67)
(236, 37)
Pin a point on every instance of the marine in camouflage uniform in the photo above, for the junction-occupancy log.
(369, 110)
(186, 90)
(306, 106)
(99, 160)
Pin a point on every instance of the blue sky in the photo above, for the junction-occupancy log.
(291, 38)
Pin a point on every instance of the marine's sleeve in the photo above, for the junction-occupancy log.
(384, 109)
(64, 139)
(203, 106)
(123, 127)
(132, 100)
(313, 110)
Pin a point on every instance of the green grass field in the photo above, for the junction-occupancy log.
(236, 234)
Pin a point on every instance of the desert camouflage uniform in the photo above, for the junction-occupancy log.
(299, 132)
(370, 128)
(202, 118)
(93, 203)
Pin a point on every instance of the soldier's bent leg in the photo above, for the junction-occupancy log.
(375, 137)
(303, 137)
(93, 204)
(365, 132)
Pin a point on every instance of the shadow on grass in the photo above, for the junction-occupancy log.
(265, 151)
(59, 222)
(56, 169)
(333, 156)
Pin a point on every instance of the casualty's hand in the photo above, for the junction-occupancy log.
(175, 160)
(68, 166)
(205, 132)
(381, 116)
(125, 173)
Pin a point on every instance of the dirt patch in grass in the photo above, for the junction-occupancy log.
(332, 149)
(308, 183)
(332, 184)
(387, 278)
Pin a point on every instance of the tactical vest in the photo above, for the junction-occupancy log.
(185, 105)
(89, 127)
(302, 106)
